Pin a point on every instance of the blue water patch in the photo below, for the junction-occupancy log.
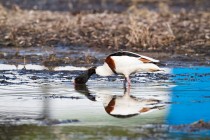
(190, 97)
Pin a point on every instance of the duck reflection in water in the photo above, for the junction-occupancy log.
(122, 106)
(83, 89)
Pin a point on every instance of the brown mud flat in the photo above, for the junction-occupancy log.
(159, 29)
(196, 126)
(9, 131)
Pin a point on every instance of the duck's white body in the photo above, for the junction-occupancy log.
(126, 63)
(128, 106)
(104, 70)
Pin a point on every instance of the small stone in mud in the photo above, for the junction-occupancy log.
(90, 59)
(62, 97)
(4, 82)
(34, 77)
(4, 77)
(69, 121)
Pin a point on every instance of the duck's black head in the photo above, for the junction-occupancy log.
(91, 71)
(83, 78)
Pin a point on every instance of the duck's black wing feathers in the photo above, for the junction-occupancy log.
(125, 53)
(143, 58)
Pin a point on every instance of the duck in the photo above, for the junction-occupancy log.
(126, 105)
(121, 63)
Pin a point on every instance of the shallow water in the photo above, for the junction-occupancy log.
(37, 100)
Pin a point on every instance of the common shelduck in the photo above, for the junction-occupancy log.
(127, 106)
(122, 63)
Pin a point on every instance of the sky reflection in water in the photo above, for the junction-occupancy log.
(191, 96)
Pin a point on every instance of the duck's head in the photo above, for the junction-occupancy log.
(83, 78)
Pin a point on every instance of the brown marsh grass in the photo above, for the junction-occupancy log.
(135, 29)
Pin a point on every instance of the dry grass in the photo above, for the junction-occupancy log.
(134, 29)
(143, 36)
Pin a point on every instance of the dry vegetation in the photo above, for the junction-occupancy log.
(136, 29)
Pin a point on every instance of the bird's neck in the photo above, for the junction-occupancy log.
(91, 71)
(104, 70)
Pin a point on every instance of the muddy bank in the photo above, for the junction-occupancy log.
(89, 132)
(104, 5)
(52, 57)
(161, 32)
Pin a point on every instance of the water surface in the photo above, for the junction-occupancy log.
(41, 103)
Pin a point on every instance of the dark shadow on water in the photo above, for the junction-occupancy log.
(45, 117)
(45, 114)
